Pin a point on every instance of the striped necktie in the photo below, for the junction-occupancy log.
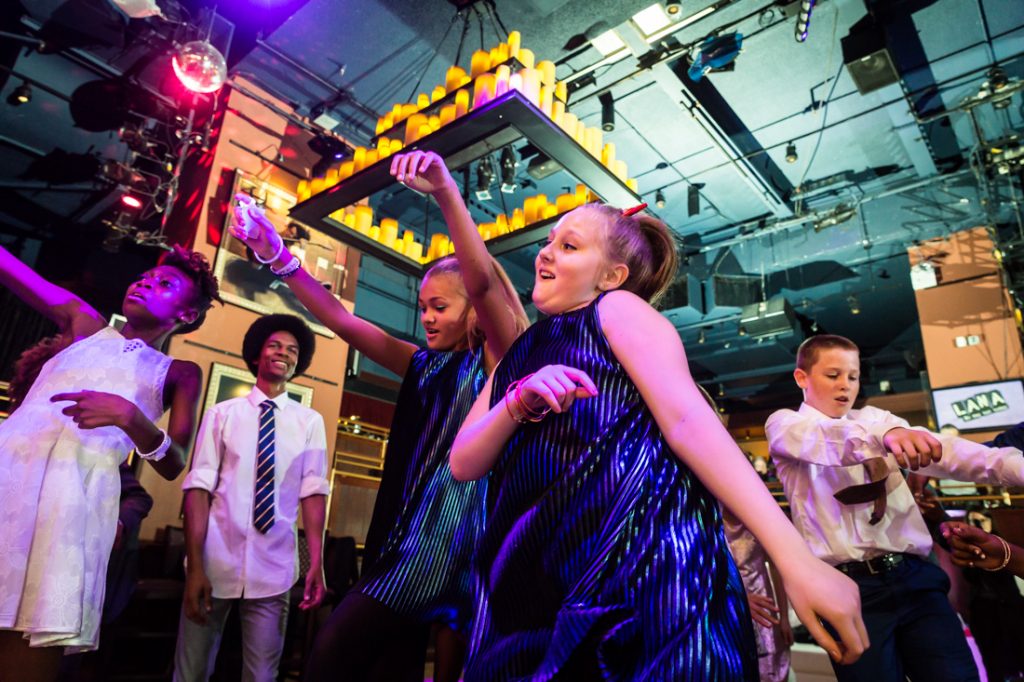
(263, 502)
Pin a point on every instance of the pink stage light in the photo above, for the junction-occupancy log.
(131, 202)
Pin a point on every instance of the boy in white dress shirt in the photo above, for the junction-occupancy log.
(258, 459)
(840, 469)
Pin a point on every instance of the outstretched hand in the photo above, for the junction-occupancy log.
(819, 593)
(94, 409)
(422, 171)
(973, 547)
(556, 387)
(912, 448)
(252, 227)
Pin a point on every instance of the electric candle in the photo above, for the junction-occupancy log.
(453, 79)
(479, 63)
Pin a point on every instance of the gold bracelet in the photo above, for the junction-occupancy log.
(512, 387)
(1006, 558)
(529, 414)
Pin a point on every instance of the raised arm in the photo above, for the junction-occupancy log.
(426, 172)
(649, 349)
(368, 339)
(965, 460)
(68, 311)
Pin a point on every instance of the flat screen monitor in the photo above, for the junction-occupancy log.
(980, 407)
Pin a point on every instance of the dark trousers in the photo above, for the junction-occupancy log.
(365, 641)
(913, 629)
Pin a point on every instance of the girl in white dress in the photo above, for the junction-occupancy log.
(92, 403)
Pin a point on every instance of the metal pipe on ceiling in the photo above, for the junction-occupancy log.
(339, 89)
(801, 220)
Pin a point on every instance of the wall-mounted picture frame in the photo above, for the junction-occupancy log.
(252, 286)
(227, 382)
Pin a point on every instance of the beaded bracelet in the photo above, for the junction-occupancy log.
(1006, 558)
(159, 451)
(288, 270)
(280, 251)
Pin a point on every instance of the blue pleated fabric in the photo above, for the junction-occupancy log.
(603, 556)
(426, 524)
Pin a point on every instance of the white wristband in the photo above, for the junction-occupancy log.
(159, 452)
(280, 250)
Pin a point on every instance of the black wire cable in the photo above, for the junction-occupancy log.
(494, 25)
(494, 10)
(480, 24)
(824, 122)
(430, 61)
(462, 38)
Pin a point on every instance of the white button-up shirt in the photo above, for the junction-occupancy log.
(817, 456)
(239, 560)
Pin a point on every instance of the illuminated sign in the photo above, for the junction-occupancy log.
(977, 407)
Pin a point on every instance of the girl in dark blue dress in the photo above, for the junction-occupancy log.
(426, 525)
(603, 555)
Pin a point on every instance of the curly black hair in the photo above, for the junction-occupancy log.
(260, 331)
(196, 267)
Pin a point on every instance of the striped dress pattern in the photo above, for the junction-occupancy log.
(426, 524)
(603, 556)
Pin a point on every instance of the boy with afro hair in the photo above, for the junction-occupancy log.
(258, 460)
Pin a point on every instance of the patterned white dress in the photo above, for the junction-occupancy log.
(60, 489)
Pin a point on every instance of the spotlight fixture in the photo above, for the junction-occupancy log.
(331, 151)
(717, 53)
(803, 20)
(997, 79)
(673, 7)
(791, 155)
(21, 95)
(130, 201)
(854, 304)
(996, 82)
(659, 199)
(693, 199)
(838, 215)
(721, 390)
(508, 165)
(484, 178)
(701, 337)
(607, 112)
(742, 331)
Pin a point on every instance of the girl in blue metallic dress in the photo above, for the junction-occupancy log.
(603, 555)
(426, 525)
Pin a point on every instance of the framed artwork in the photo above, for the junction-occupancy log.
(252, 286)
(228, 382)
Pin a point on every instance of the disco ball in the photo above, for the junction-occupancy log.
(200, 66)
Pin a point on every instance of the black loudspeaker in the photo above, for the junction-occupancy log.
(867, 58)
(732, 291)
(684, 292)
(768, 318)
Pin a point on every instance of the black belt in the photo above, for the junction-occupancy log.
(874, 566)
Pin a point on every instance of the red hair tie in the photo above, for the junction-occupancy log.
(626, 212)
